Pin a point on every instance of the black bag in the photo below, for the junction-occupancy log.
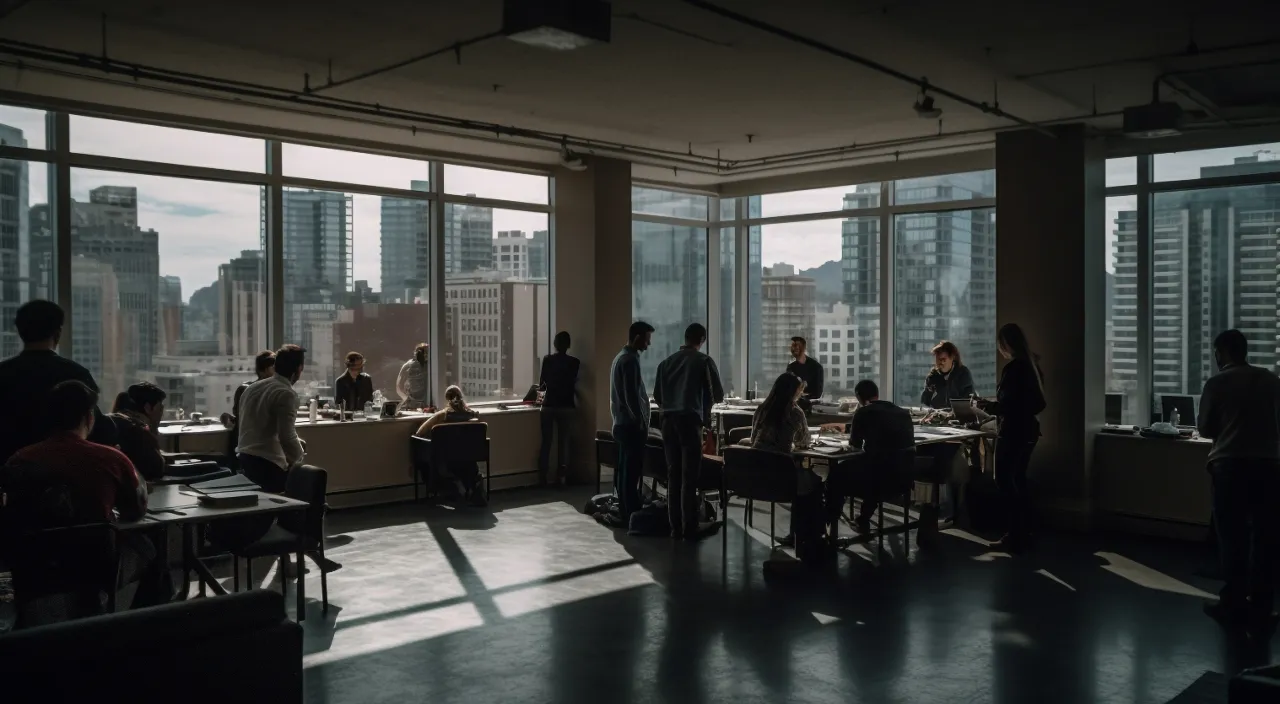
(601, 503)
(651, 519)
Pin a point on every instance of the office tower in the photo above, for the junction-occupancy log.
(668, 286)
(203, 383)
(200, 317)
(40, 253)
(386, 333)
(15, 241)
(115, 205)
(468, 238)
(860, 271)
(362, 293)
(169, 296)
(405, 246)
(496, 333)
(100, 342)
(836, 348)
(540, 255)
(786, 310)
(318, 231)
(241, 305)
(511, 254)
(1214, 266)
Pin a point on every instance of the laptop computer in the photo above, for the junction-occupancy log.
(963, 411)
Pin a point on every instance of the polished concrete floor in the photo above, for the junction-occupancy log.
(530, 601)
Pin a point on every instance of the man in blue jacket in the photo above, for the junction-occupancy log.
(629, 405)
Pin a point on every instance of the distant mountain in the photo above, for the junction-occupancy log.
(829, 283)
(205, 299)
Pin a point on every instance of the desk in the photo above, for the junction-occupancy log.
(1154, 479)
(177, 505)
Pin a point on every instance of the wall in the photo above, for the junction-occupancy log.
(1049, 279)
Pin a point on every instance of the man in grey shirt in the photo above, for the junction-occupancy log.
(686, 387)
(1240, 412)
(629, 406)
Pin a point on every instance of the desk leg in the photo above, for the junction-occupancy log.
(302, 588)
(186, 560)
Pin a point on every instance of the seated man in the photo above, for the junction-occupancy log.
(100, 480)
(137, 414)
(879, 429)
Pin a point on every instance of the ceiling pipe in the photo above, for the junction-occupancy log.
(1190, 51)
(920, 83)
(455, 47)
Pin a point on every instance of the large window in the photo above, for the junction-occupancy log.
(1212, 254)
(26, 247)
(130, 140)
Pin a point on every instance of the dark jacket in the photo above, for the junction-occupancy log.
(880, 428)
(688, 383)
(25, 379)
(355, 392)
(558, 379)
(812, 374)
(1019, 399)
(955, 386)
(139, 444)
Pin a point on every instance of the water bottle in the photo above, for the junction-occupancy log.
(1175, 418)
(312, 407)
(368, 410)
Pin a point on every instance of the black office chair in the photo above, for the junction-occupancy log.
(759, 475)
(895, 475)
(450, 443)
(293, 533)
(737, 435)
(606, 455)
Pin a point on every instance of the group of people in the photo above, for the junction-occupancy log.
(688, 384)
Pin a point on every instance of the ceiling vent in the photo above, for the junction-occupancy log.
(1153, 120)
(557, 24)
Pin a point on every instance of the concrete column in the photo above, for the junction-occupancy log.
(1050, 249)
(591, 270)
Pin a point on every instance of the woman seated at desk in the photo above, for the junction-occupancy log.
(465, 474)
(779, 425)
(948, 380)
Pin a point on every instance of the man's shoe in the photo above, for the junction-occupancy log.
(787, 541)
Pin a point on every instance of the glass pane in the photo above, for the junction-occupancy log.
(819, 200)
(1206, 163)
(323, 164)
(167, 285)
(1122, 305)
(170, 145)
(500, 185)
(1122, 171)
(969, 185)
(669, 203)
(497, 317)
(728, 209)
(944, 289)
(22, 127)
(668, 286)
(356, 271)
(1214, 263)
(729, 351)
(26, 244)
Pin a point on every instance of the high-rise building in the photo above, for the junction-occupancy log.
(15, 241)
(860, 273)
(405, 247)
(197, 382)
(100, 342)
(468, 238)
(668, 286)
(836, 348)
(242, 305)
(787, 309)
(540, 255)
(511, 254)
(200, 315)
(495, 333)
(318, 230)
(169, 321)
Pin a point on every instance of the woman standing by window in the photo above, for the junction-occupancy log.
(412, 382)
(949, 380)
(1019, 399)
(558, 384)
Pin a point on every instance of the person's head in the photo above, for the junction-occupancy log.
(69, 408)
(453, 396)
(265, 364)
(122, 403)
(420, 353)
(1230, 347)
(39, 324)
(561, 342)
(148, 399)
(640, 336)
(946, 356)
(694, 336)
(799, 347)
(290, 361)
(786, 390)
(866, 391)
(355, 363)
(1012, 342)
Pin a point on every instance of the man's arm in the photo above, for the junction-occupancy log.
(633, 391)
(857, 433)
(402, 382)
(1207, 424)
(717, 388)
(286, 413)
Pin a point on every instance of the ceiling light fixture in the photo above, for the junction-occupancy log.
(570, 160)
(560, 25)
(925, 108)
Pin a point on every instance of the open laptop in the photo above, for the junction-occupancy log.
(963, 411)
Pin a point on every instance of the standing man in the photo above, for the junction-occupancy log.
(269, 445)
(1240, 412)
(629, 406)
(354, 388)
(809, 371)
(26, 378)
(558, 382)
(687, 385)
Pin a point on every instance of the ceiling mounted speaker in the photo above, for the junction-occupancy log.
(557, 24)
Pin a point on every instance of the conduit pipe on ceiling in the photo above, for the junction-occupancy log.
(921, 83)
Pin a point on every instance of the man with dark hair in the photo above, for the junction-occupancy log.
(137, 417)
(27, 377)
(264, 366)
(1240, 412)
(880, 429)
(809, 371)
(269, 445)
(354, 387)
(558, 382)
(629, 406)
(686, 387)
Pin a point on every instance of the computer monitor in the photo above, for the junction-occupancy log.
(1186, 406)
(1115, 408)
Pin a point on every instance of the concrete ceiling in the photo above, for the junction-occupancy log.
(678, 78)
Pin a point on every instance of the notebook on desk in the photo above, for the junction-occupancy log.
(235, 482)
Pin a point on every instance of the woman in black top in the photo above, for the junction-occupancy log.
(948, 380)
(1019, 399)
(557, 382)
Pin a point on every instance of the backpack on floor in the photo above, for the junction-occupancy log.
(601, 503)
(652, 519)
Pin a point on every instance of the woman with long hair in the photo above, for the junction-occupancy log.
(780, 426)
(949, 380)
(465, 474)
(412, 382)
(1019, 399)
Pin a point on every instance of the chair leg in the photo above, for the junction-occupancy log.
(880, 524)
(488, 476)
(301, 589)
(751, 510)
(235, 571)
(906, 522)
(248, 565)
(324, 584)
(415, 482)
(773, 510)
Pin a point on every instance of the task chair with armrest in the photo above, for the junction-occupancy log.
(449, 443)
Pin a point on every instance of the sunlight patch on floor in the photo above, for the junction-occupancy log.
(825, 619)
(991, 556)
(1050, 575)
(396, 632)
(565, 591)
(1144, 576)
(966, 535)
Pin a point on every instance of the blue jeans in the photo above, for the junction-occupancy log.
(630, 469)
